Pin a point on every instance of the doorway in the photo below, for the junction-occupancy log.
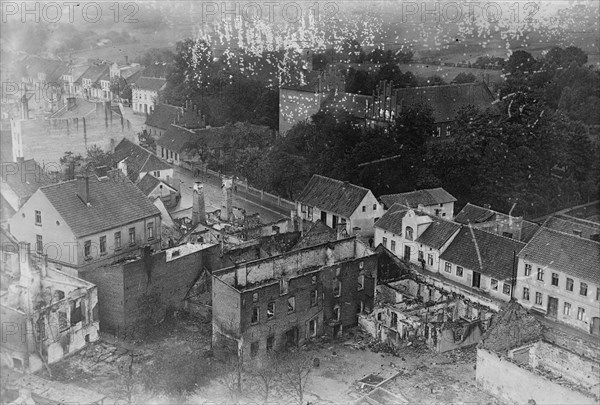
(291, 337)
(476, 279)
(407, 253)
(552, 307)
(324, 217)
(595, 330)
(337, 331)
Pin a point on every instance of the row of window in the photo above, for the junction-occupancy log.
(166, 155)
(555, 281)
(270, 340)
(87, 246)
(364, 208)
(539, 300)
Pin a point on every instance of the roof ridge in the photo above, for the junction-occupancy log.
(341, 181)
(498, 235)
(574, 237)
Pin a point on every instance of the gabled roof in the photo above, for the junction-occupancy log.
(95, 73)
(475, 214)
(52, 68)
(339, 197)
(438, 232)
(177, 138)
(446, 100)
(138, 159)
(391, 221)
(571, 225)
(27, 178)
(485, 252)
(148, 183)
(163, 116)
(570, 254)
(114, 202)
(424, 197)
(150, 83)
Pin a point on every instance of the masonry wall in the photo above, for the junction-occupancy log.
(111, 296)
(511, 383)
(563, 362)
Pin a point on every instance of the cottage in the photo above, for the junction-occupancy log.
(135, 162)
(433, 201)
(21, 179)
(145, 93)
(338, 203)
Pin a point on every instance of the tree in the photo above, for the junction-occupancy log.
(463, 77)
(520, 62)
(295, 369)
(267, 370)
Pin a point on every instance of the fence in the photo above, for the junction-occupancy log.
(265, 197)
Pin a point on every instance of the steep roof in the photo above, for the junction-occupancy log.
(138, 159)
(570, 225)
(564, 252)
(95, 73)
(338, 197)
(177, 138)
(148, 183)
(446, 100)
(163, 116)
(52, 68)
(150, 83)
(510, 328)
(484, 252)
(438, 233)
(24, 178)
(425, 197)
(392, 219)
(475, 214)
(114, 202)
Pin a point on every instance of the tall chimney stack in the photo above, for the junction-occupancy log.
(227, 207)
(83, 188)
(24, 107)
(198, 207)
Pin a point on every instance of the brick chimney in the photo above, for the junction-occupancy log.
(83, 188)
(101, 171)
(198, 207)
(24, 107)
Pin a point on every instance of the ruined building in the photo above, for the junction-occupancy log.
(46, 314)
(269, 304)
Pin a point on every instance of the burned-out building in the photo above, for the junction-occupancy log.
(284, 300)
(46, 314)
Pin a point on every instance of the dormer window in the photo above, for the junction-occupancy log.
(409, 233)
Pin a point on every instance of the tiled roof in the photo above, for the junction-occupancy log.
(438, 233)
(425, 197)
(477, 215)
(27, 178)
(338, 197)
(446, 100)
(114, 202)
(53, 69)
(138, 159)
(570, 225)
(485, 252)
(94, 73)
(163, 116)
(341, 102)
(177, 138)
(150, 83)
(570, 254)
(391, 221)
(148, 183)
(473, 214)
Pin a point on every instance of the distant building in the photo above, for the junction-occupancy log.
(434, 201)
(161, 118)
(135, 162)
(338, 203)
(153, 187)
(445, 100)
(558, 277)
(145, 94)
(268, 304)
(94, 83)
(88, 221)
(53, 314)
